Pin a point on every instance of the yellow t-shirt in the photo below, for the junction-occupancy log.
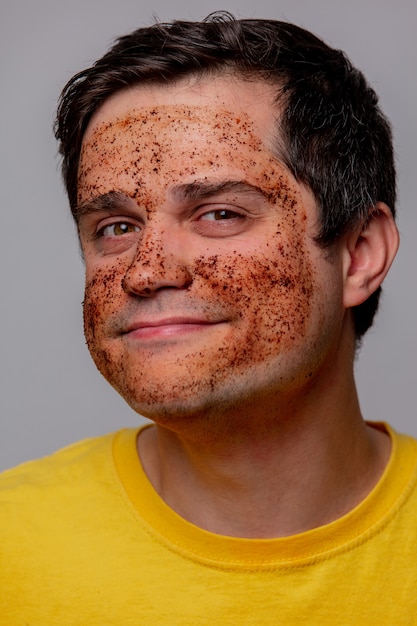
(85, 540)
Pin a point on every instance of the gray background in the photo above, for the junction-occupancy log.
(51, 393)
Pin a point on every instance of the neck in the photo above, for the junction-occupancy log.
(273, 476)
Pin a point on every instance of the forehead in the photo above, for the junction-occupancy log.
(157, 136)
(253, 99)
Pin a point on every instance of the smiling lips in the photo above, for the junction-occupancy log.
(168, 327)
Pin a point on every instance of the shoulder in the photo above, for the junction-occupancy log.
(50, 482)
(51, 510)
(56, 495)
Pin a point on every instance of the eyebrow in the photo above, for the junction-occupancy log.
(198, 190)
(113, 201)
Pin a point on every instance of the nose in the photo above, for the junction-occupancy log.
(158, 264)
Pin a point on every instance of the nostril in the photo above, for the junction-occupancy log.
(144, 277)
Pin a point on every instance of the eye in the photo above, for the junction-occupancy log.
(221, 220)
(117, 229)
(220, 214)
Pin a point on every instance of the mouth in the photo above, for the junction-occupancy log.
(172, 327)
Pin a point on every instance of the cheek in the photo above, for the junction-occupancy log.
(271, 297)
(103, 295)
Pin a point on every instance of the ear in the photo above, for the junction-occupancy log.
(368, 255)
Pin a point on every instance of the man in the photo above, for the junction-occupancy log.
(233, 187)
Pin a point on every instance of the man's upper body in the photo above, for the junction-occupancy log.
(235, 213)
(212, 309)
(89, 541)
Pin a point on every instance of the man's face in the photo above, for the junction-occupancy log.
(204, 287)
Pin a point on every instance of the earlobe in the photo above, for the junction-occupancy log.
(369, 253)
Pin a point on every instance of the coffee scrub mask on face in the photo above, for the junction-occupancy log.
(240, 259)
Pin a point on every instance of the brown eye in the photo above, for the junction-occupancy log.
(118, 229)
(219, 214)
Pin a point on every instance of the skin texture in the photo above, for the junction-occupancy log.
(211, 309)
(254, 275)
